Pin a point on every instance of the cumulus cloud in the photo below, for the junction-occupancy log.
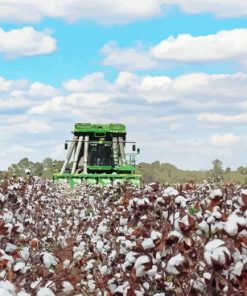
(130, 59)
(223, 140)
(195, 91)
(26, 42)
(111, 11)
(227, 8)
(222, 118)
(224, 46)
(90, 82)
(157, 110)
(25, 126)
(19, 95)
(108, 11)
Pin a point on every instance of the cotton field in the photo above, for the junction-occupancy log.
(121, 240)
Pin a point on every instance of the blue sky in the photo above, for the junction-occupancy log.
(174, 74)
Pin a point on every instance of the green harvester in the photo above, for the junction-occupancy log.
(97, 155)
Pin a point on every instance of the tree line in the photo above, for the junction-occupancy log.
(151, 172)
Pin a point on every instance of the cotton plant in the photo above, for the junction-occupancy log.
(153, 240)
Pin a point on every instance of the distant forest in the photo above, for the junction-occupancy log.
(151, 172)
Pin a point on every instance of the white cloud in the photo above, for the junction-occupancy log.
(25, 126)
(42, 90)
(224, 46)
(16, 149)
(108, 11)
(195, 91)
(222, 118)
(162, 113)
(75, 103)
(25, 42)
(227, 8)
(223, 140)
(130, 59)
(112, 11)
(18, 95)
(90, 82)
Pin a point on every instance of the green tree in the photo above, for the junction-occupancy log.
(228, 170)
(21, 168)
(217, 168)
(47, 164)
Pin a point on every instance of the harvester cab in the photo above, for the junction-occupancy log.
(97, 154)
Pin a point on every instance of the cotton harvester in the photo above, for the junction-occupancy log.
(97, 155)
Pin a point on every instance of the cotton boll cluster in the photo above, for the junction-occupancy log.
(120, 239)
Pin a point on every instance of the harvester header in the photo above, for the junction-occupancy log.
(100, 128)
(97, 154)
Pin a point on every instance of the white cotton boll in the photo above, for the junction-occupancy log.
(5, 292)
(180, 200)
(207, 275)
(23, 293)
(148, 243)
(203, 226)
(170, 191)
(216, 243)
(3, 274)
(131, 257)
(215, 192)
(67, 288)
(113, 255)
(20, 227)
(81, 247)
(103, 269)
(237, 270)
(78, 255)
(175, 233)
(8, 217)
(123, 221)
(143, 202)
(139, 265)
(91, 286)
(210, 219)
(160, 276)
(10, 248)
(45, 292)
(153, 271)
(139, 293)
(89, 265)
(217, 251)
(102, 229)
(7, 288)
(146, 285)
(35, 283)
(100, 246)
(2, 197)
(174, 262)
(231, 225)
(155, 235)
(61, 242)
(49, 260)
(243, 191)
(89, 231)
(19, 266)
(173, 219)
